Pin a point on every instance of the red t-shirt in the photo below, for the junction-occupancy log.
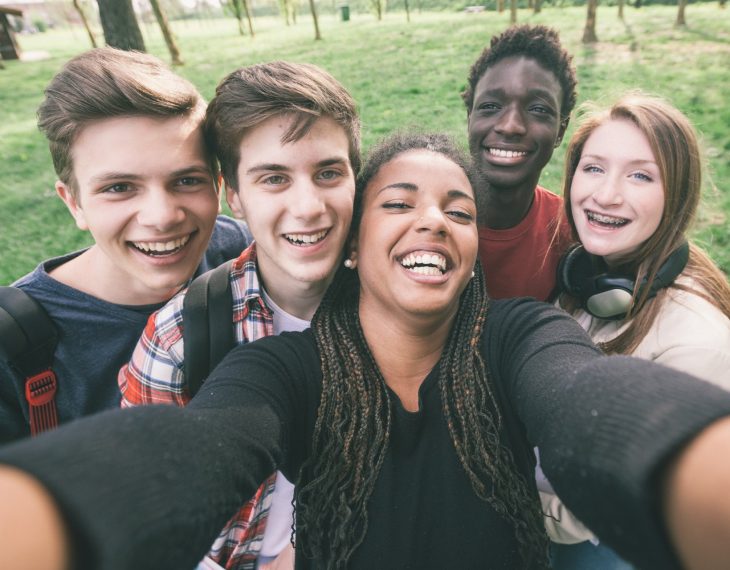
(522, 261)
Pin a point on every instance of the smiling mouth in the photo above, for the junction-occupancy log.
(306, 239)
(425, 263)
(502, 153)
(606, 221)
(161, 248)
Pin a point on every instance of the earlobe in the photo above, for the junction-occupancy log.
(66, 194)
(561, 132)
(351, 255)
(235, 203)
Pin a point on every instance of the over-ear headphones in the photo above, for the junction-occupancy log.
(608, 295)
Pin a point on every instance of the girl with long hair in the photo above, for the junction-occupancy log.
(635, 282)
(407, 418)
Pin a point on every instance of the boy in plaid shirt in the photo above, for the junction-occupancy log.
(287, 137)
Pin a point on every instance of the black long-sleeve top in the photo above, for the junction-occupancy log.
(150, 487)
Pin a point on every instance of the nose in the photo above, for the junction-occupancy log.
(160, 209)
(307, 202)
(511, 121)
(432, 220)
(608, 192)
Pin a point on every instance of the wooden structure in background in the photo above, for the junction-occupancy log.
(9, 48)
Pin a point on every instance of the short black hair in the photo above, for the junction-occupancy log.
(536, 42)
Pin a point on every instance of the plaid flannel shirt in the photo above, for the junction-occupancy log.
(155, 375)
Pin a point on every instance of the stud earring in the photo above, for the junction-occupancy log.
(472, 275)
(349, 263)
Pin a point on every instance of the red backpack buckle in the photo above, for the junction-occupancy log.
(40, 392)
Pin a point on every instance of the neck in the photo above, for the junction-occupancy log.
(299, 299)
(503, 208)
(419, 342)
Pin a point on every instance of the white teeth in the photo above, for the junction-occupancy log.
(506, 153)
(306, 238)
(425, 263)
(161, 247)
(603, 219)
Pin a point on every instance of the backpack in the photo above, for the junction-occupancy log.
(28, 340)
(207, 330)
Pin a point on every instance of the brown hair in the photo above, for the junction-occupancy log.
(673, 142)
(535, 42)
(107, 82)
(251, 95)
(352, 430)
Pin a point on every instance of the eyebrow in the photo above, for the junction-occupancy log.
(275, 167)
(635, 161)
(109, 176)
(410, 187)
(537, 91)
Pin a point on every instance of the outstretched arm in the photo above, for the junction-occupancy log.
(32, 532)
(696, 501)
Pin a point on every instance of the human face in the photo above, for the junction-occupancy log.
(417, 242)
(297, 199)
(617, 193)
(514, 123)
(146, 194)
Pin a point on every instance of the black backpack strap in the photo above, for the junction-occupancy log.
(28, 340)
(207, 324)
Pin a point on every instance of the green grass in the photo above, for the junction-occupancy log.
(401, 75)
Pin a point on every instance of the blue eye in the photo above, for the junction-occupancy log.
(329, 174)
(118, 188)
(642, 176)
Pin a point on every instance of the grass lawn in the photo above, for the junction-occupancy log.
(402, 75)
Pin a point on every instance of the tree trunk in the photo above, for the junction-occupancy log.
(500, 6)
(513, 12)
(408, 12)
(621, 9)
(120, 26)
(317, 35)
(680, 14)
(237, 12)
(531, 4)
(85, 22)
(538, 6)
(589, 32)
(247, 11)
(167, 33)
(722, 3)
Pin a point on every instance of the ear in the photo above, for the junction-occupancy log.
(561, 131)
(351, 252)
(67, 195)
(235, 202)
(218, 187)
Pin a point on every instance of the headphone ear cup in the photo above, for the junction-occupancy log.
(574, 271)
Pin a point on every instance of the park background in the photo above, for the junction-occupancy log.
(405, 69)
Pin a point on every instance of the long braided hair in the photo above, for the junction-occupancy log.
(352, 429)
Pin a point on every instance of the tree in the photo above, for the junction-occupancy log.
(408, 12)
(235, 6)
(500, 6)
(317, 35)
(538, 6)
(249, 18)
(621, 9)
(120, 26)
(513, 12)
(680, 21)
(85, 22)
(167, 33)
(589, 32)
(379, 7)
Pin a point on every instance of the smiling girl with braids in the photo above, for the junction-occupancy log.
(407, 416)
